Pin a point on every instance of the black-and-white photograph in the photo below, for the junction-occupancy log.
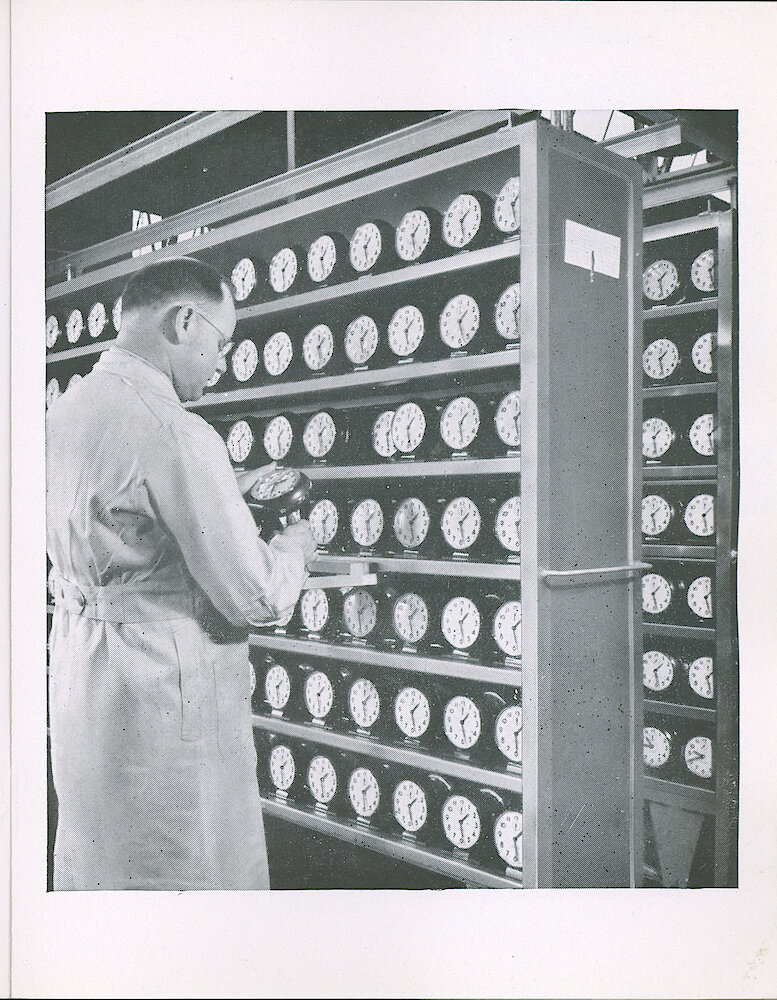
(392, 488)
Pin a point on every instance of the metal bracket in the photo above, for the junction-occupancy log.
(357, 576)
(574, 575)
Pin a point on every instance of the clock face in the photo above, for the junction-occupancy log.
(74, 379)
(704, 272)
(314, 609)
(412, 712)
(322, 779)
(657, 670)
(507, 419)
(410, 809)
(318, 347)
(461, 622)
(364, 703)
(701, 435)
(507, 313)
(360, 612)
(657, 437)
(660, 358)
(656, 515)
(656, 593)
(116, 314)
(507, 628)
(460, 422)
(243, 279)
(240, 441)
(277, 687)
(702, 353)
(412, 235)
(278, 352)
(698, 756)
(411, 618)
(366, 246)
(382, 441)
(508, 525)
(74, 326)
(244, 360)
(461, 221)
(508, 733)
(283, 270)
(660, 280)
(52, 331)
(408, 427)
(324, 521)
(461, 523)
(507, 838)
(364, 792)
(53, 391)
(278, 435)
(319, 695)
(283, 770)
(367, 523)
(461, 822)
(700, 597)
(656, 746)
(411, 523)
(322, 257)
(507, 206)
(459, 321)
(462, 722)
(701, 677)
(319, 434)
(699, 515)
(406, 331)
(361, 340)
(96, 320)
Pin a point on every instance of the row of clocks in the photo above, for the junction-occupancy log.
(468, 619)
(669, 279)
(678, 596)
(687, 678)
(435, 714)
(678, 753)
(76, 327)
(464, 426)
(410, 332)
(479, 822)
(472, 219)
(665, 361)
(670, 438)
(674, 515)
(484, 523)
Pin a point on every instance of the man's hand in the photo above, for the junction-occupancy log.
(247, 478)
(302, 536)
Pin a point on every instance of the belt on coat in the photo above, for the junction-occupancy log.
(126, 603)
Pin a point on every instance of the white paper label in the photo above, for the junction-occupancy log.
(592, 249)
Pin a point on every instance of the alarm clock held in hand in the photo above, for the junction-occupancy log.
(278, 497)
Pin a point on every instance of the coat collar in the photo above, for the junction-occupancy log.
(119, 361)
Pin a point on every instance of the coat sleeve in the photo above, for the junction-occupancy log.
(193, 490)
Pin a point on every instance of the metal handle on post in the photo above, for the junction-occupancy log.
(551, 575)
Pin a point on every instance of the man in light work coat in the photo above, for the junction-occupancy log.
(152, 750)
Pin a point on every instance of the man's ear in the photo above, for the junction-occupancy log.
(183, 324)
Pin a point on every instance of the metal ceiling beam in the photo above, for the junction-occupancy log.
(151, 148)
(683, 186)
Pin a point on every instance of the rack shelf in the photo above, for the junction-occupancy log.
(679, 631)
(387, 752)
(702, 553)
(425, 567)
(462, 669)
(683, 309)
(686, 711)
(681, 227)
(660, 788)
(345, 384)
(675, 472)
(674, 391)
(393, 847)
(78, 352)
(415, 470)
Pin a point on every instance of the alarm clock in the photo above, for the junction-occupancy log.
(418, 237)
(507, 315)
(411, 525)
(326, 436)
(507, 421)
(701, 436)
(508, 839)
(244, 279)
(657, 516)
(507, 528)
(367, 791)
(657, 595)
(371, 248)
(699, 597)
(74, 326)
(286, 271)
(461, 623)
(460, 424)
(411, 428)
(285, 775)
(280, 437)
(459, 322)
(461, 525)
(410, 805)
(360, 614)
(699, 515)
(244, 361)
(116, 315)
(97, 320)
(703, 353)
(324, 782)
(361, 342)
(660, 359)
(657, 745)
(661, 285)
(406, 334)
(411, 621)
(697, 756)
(508, 735)
(507, 208)
(327, 526)
(244, 442)
(318, 348)
(658, 671)
(700, 674)
(366, 707)
(658, 437)
(278, 355)
(464, 225)
(328, 259)
(382, 447)
(704, 273)
(506, 629)
(413, 710)
(53, 391)
(318, 612)
(461, 822)
(277, 686)
(52, 331)
(322, 694)
(368, 524)
(469, 722)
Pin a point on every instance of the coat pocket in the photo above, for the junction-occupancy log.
(191, 669)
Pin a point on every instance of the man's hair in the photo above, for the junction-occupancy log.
(174, 278)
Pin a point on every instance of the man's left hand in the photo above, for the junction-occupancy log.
(247, 478)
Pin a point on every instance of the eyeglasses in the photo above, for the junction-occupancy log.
(225, 348)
